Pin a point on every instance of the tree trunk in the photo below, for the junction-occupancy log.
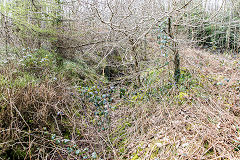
(175, 52)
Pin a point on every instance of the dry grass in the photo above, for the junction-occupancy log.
(203, 124)
(33, 111)
(198, 122)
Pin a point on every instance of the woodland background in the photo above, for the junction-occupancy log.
(119, 79)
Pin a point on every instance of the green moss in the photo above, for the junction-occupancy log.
(4, 81)
(78, 132)
(67, 134)
(135, 157)
(121, 132)
(14, 153)
(155, 152)
(152, 76)
(77, 72)
(22, 82)
(206, 144)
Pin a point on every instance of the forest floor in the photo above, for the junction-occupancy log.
(200, 122)
(197, 119)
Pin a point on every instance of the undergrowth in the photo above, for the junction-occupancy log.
(66, 112)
